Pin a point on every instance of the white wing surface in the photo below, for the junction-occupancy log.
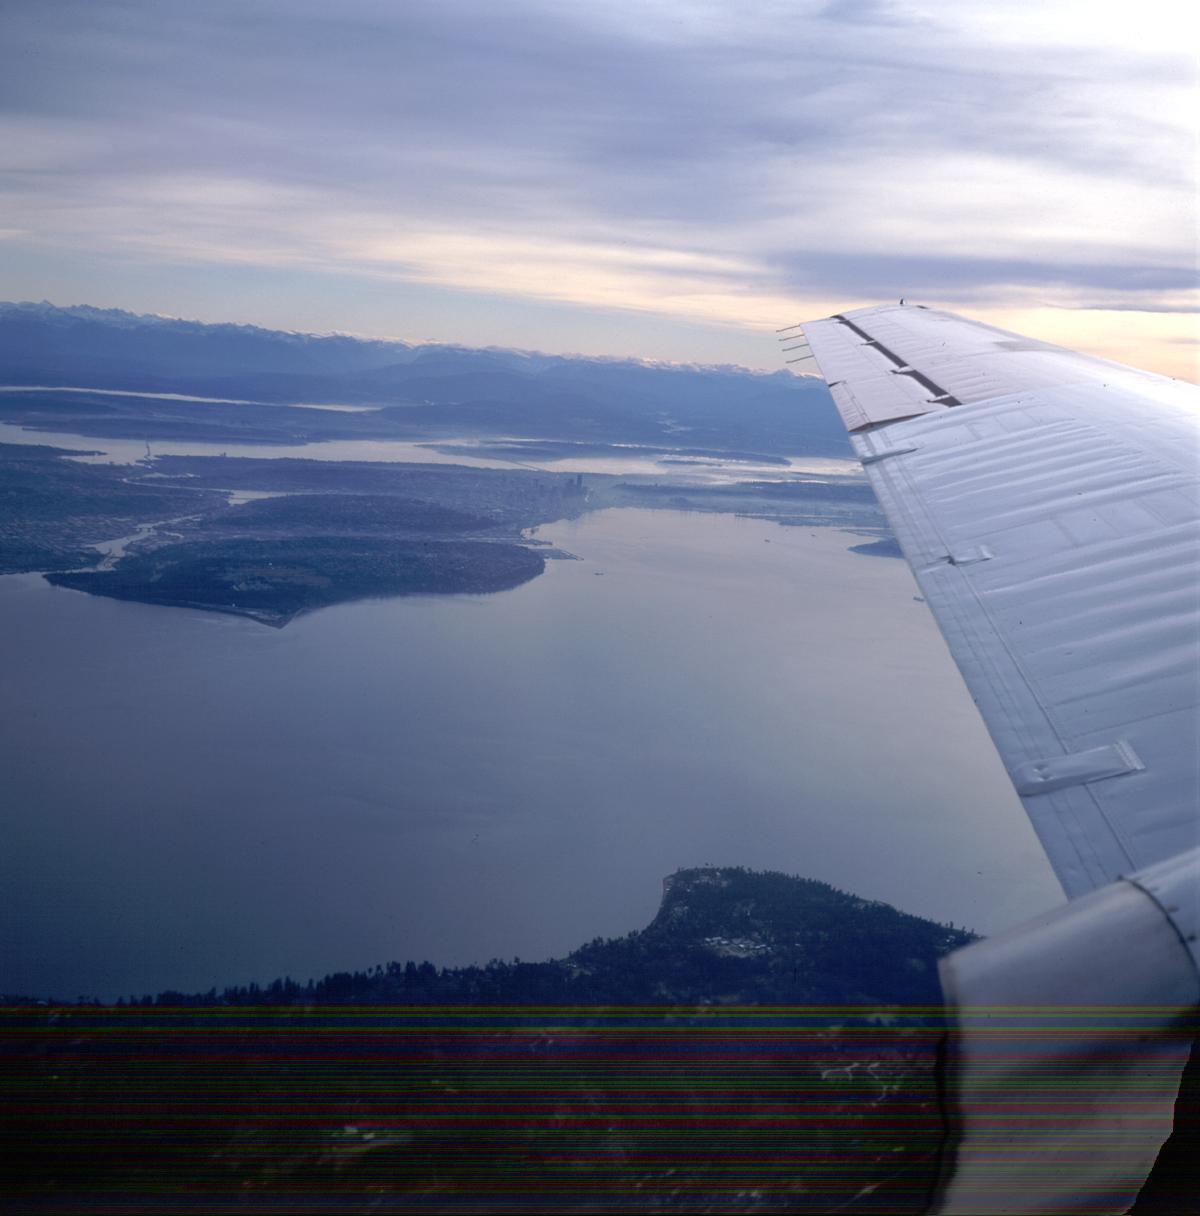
(1049, 504)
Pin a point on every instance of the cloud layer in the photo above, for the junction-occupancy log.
(682, 159)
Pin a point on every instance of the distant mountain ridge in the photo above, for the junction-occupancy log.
(438, 389)
(44, 338)
(339, 351)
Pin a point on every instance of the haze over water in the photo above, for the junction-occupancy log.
(634, 459)
(197, 800)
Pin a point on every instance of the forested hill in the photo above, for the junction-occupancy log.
(721, 936)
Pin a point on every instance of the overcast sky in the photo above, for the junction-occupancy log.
(664, 178)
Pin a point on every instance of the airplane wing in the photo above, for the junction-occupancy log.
(1049, 505)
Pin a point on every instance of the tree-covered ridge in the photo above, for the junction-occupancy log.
(345, 515)
(721, 936)
(688, 1104)
(274, 580)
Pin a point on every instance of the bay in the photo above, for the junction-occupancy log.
(194, 800)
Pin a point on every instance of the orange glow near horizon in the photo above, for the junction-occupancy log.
(1164, 342)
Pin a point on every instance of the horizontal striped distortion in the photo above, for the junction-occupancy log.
(489, 1110)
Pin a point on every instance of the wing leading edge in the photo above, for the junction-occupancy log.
(1049, 505)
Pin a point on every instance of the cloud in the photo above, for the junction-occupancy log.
(689, 158)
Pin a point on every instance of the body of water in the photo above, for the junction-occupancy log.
(634, 462)
(194, 800)
(120, 392)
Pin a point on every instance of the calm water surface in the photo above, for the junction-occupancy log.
(195, 800)
(120, 392)
(632, 463)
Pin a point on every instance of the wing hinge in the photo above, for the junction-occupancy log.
(1077, 768)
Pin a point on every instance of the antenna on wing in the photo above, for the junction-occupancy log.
(801, 345)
